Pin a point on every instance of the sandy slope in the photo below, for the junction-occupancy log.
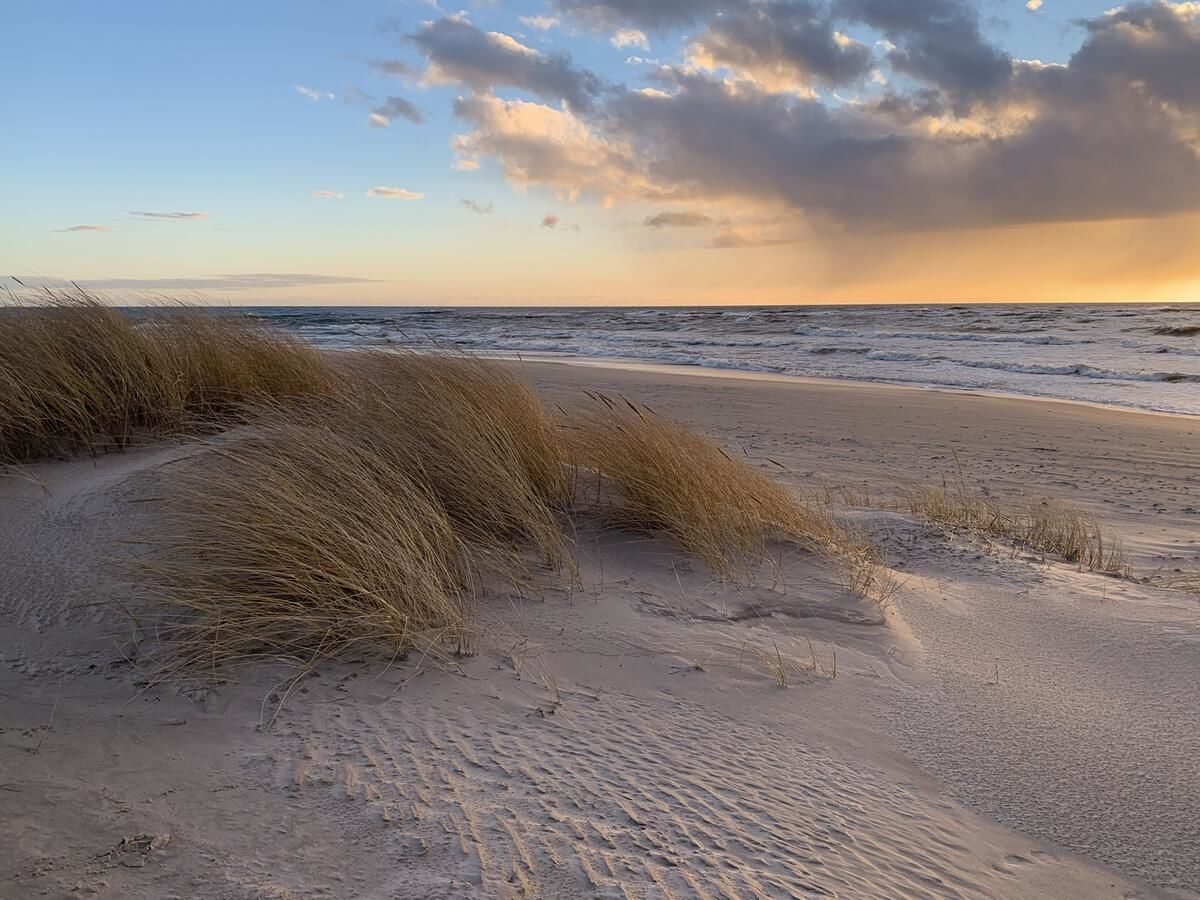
(629, 737)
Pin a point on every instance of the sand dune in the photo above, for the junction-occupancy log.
(629, 736)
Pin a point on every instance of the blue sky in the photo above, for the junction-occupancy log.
(242, 112)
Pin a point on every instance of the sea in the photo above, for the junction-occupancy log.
(1139, 356)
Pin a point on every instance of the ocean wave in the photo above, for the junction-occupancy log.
(900, 356)
(1082, 370)
(825, 351)
(1158, 349)
(1178, 330)
(1092, 353)
(952, 336)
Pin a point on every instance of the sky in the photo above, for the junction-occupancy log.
(603, 151)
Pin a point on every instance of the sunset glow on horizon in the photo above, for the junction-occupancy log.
(591, 152)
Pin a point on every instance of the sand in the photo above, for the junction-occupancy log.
(1008, 727)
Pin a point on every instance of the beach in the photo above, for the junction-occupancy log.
(1004, 725)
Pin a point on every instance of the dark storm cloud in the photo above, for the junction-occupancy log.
(986, 141)
(459, 52)
(750, 143)
(1150, 43)
(787, 40)
(937, 41)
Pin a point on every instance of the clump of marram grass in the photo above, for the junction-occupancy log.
(1043, 526)
(375, 515)
(666, 479)
(77, 376)
(370, 516)
(298, 543)
(475, 400)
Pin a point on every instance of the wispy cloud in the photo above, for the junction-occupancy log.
(246, 281)
(78, 228)
(540, 23)
(630, 37)
(355, 94)
(394, 193)
(684, 219)
(393, 107)
(482, 208)
(313, 94)
(329, 195)
(177, 216)
(554, 223)
(396, 68)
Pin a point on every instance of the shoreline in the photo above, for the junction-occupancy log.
(696, 371)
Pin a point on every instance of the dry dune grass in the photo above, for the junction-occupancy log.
(298, 541)
(667, 479)
(375, 515)
(366, 498)
(372, 515)
(78, 376)
(481, 400)
(1043, 526)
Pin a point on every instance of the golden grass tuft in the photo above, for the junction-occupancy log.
(77, 376)
(1043, 526)
(479, 400)
(370, 516)
(298, 542)
(666, 479)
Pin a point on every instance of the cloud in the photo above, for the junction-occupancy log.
(482, 208)
(539, 145)
(736, 240)
(394, 107)
(981, 141)
(173, 216)
(655, 15)
(783, 44)
(936, 41)
(459, 53)
(1149, 49)
(1033, 5)
(329, 195)
(394, 193)
(630, 37)
(313, 94)
(394, 68)
(682, 219)
(82, 228)
(235, 282)
(554, 223)
(538, 23)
